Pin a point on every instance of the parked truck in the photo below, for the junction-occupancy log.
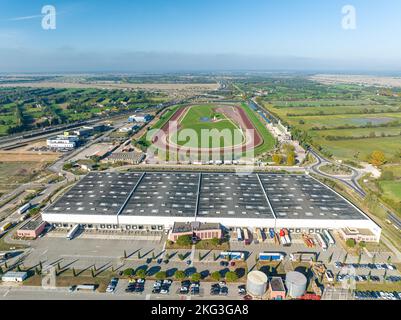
(24, 208)
(271, 256)
(6, 226)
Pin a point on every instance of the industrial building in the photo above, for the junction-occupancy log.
(32, 229)
(63, 142)
(140, 118)
(157, 200)
(202, 231)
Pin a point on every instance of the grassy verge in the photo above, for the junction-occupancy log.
(268, 140)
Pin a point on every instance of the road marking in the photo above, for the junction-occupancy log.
(44, 252)
(147, 297)
(6, 293)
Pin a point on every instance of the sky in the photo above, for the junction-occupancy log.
(199, 35)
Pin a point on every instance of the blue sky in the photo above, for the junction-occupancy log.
(168, 35)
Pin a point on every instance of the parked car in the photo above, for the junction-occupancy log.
(112, 285)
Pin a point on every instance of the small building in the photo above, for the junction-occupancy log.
(63, 142)
(276, 289)
(126, 157)
(12, 276)
(83, 132)
(140, 118)
(365, 235)
(202, 231)
(32, 229)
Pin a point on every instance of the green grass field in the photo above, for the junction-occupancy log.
(391, 189)
(202, 118)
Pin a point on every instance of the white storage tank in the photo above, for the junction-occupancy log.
(256, 284)
(296, 284)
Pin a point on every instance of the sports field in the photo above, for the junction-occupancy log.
(201, 119)
(213, 128)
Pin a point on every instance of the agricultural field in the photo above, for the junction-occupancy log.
(34, 108)
(337, 118)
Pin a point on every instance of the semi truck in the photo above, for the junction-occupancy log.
(6, 226)
(329, 237)
(271, 256)
(247, 238)
(239, 235)
(231, 255)
(24, 208)
(73, 232)
(321, 241)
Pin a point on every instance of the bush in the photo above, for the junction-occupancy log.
(179, 275)
(231, 276)
(128, 272)
(184, 240)
(196, 277)
(161, 275)
(216, 276)
(140, 273)
(350, 243)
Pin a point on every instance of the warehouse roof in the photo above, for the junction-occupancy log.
(32, 224)
(214, 195)
(97, 193)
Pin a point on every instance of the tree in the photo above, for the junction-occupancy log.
(140, 273)
(291, 158)
(128, 272)
(350, 243)
(231, 276)
(161, 275)
(184, 240)
(125, 254)
(362, 244)
(377, 158)
(179, 275)
(277, 158)
(196, 277)
(216, 276)
(181, 256)
(74, 273)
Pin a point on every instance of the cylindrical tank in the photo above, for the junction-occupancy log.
(256, 284)
(296, 284)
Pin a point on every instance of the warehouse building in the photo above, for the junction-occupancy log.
(157, 200)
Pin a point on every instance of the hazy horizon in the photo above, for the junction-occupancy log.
(178, 35)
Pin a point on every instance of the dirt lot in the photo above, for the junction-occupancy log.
(15, 156)
(13, 173)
